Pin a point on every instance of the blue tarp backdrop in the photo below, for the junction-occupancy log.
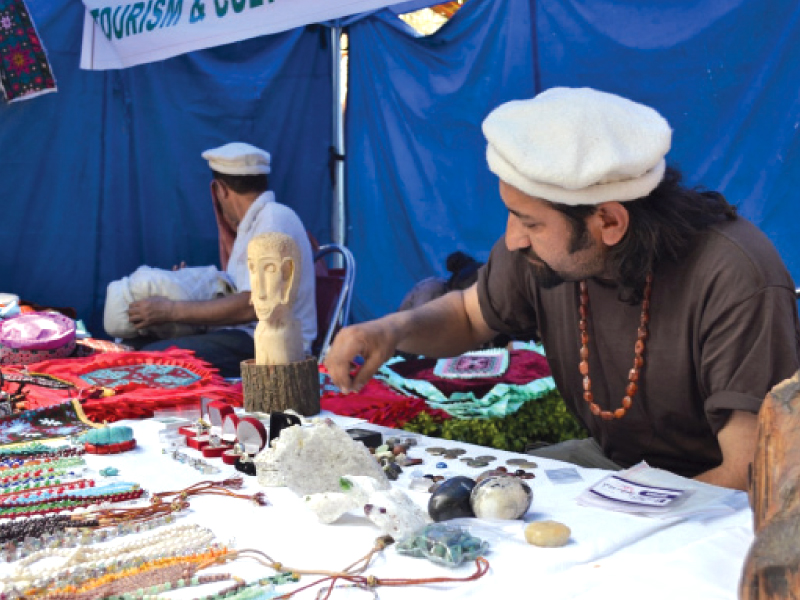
(106, 174)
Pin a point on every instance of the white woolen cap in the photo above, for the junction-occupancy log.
(238, 158)
(578, 146)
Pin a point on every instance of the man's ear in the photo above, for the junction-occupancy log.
(614, 221)
(218, 190)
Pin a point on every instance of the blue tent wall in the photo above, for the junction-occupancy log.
(106, 174)
(726, 74)
(417, 184)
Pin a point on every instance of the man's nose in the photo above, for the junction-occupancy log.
(516, 236)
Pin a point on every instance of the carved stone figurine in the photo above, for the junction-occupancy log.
(274, 263)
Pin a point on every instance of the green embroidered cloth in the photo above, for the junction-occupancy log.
(528, 378)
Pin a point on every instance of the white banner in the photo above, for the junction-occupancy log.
(120, 33)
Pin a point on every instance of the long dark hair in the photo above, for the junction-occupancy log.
(661, 228)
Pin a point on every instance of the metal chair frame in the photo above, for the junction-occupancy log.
(341, 312)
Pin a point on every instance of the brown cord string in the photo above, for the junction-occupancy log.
(214, 488)
(353, 573)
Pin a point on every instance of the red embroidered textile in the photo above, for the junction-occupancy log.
(524, 366)
(141, 382)
(377, 403)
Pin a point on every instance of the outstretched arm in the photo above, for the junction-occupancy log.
(738, 443)
(228, 310)
(447, 326)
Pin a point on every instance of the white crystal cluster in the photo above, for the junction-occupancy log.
(392, 510)
(311, 459)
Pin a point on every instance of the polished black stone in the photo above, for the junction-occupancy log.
(450, 500)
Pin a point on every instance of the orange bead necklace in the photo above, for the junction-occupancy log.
(638, 354)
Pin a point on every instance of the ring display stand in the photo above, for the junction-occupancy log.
(218, 413)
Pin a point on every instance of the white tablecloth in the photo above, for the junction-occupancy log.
(610, 555)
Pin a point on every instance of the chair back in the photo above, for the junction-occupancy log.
(334, 292)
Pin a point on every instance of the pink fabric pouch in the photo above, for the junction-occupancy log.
(36, 336)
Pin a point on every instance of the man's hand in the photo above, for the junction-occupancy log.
(447, 326)
(374, 341)
(151, 311)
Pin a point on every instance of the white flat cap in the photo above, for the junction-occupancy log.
(238, 158)
(578, 146)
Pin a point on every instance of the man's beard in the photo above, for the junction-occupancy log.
(546, 277)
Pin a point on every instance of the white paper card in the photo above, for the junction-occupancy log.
(643, 497)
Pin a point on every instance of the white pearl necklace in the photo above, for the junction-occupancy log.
(170, 542)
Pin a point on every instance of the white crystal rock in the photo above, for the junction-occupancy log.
(356, 490)
(393, 511)
(329, 506)
(312, 459)
(268, 472)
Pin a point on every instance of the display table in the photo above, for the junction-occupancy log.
(610, 555)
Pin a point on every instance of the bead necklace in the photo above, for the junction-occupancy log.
(66, 493)
(59, 505)
(20, 458)
(42, 485)
(32, 461)
(34, 478)
(238, 591)
(20, 538)
(166, 543)
(45, 466)
(130, 579)
(638, 356)
(12, 533)
(39, 449)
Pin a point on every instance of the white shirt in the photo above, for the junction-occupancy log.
(266, 215)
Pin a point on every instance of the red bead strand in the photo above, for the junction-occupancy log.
(638, 354)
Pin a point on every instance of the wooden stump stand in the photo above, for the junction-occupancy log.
(270, 388)
(772, 567)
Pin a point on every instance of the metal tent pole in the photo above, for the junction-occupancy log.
(338, 217)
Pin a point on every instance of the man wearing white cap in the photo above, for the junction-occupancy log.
(665, 317)
(244, 209)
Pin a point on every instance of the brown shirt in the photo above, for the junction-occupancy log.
(723, 330)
